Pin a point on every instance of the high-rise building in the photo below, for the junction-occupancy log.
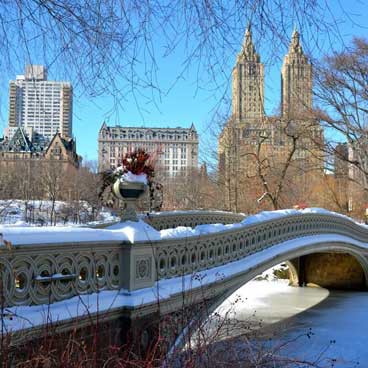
(40, 104)
(176, 149)
(296, 80)
(253, 147)
(247, 87)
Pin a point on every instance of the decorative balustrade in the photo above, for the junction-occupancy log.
(191, 219)
(42, 274)
(47, 273)
(183, 256)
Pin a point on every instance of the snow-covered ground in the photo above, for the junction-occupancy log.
(12, 213)
(249, 307)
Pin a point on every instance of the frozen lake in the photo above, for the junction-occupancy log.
(316, 325)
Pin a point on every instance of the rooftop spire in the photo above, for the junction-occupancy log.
(248, 51)
(295, 46)
(248, 31)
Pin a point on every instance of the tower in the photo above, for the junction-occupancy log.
(296, 81)
(248, 83)
(41, 105)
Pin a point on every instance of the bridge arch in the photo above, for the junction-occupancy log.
(231, 286)
(319, 248)
(344, 248)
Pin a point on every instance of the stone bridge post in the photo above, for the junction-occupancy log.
(138, 271)
(137, 266)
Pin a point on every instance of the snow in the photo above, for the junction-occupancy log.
(12, 213)
(182, 231)
(339, 325)
(127, 231)
(193, 212)
(162, 289)
(301, 323)
(133, 178)
(55, 276)
(252, 300)
(346, 323)
(271, 215)
(135, 231)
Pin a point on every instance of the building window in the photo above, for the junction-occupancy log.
(246, 133)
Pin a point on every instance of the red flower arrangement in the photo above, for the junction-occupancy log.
(138, 162)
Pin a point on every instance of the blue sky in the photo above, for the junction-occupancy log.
(189, 101)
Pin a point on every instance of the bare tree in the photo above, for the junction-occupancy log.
(272, 165)
(342, 85)
(342, 91)
(115, 47)
(89, 183)
(52, 178)
(194, 189)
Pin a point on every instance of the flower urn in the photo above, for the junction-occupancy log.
(129, 192)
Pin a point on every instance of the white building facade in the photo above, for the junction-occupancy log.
(42, 105)
(175, 149)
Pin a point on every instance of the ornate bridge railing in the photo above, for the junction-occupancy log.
(42, 274)
(45, 273)
(179, 257)
(191, 218)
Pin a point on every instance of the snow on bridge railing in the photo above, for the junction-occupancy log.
(254, 234)
(173, 219)
(43, 265)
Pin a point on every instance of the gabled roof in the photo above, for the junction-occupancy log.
(67, 143)
(19, 142)
(103, 126)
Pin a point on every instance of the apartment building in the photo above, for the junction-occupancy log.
(175, 149)
(37, 103)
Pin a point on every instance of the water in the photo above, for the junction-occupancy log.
(313, 324)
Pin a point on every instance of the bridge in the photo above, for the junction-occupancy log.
(87, 274)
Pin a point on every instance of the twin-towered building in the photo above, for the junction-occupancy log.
(248, 83)
(253, 144)
(296, 81)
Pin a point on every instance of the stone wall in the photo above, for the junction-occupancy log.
(334, 271)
